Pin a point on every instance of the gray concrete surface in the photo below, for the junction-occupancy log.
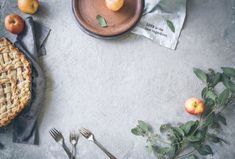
(108, 85)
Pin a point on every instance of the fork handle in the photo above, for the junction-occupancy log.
(73, 153)
(104, 150)
(66, 149)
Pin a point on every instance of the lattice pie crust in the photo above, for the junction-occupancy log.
(15, 81)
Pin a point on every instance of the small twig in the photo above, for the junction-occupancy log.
(159, 139)
(3, 4)
(184, 155)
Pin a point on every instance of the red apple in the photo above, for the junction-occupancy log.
(194, 106)
(14, 23)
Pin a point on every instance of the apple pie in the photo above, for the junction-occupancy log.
(15, 81)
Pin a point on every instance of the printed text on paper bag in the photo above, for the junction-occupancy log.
(154, 29)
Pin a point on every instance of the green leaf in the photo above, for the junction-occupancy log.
(224, 97)
(101, 21)
(193, 138)
(209, 104)
(136, 131)
(172, 152)
(177, 131)
(150, 148)
(203, 149)
(163, 150)
(216, 79)
(166, 152)
(221, 118)
(207, 121)
(188, 126)
(204, 92)
(143, 125)
(193, 157)
(170, 25)
(176, 142)
(228, 83)
(210, 94)
(231, 86)
(197, 137)
(200, 74)
(215, 125)
(213, 78)
(225, 80)
(165, 127)
(229, 71)
(213, 138)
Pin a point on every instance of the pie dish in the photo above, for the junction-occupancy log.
(15, 81)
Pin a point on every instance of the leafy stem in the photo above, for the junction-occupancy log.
(194, 134)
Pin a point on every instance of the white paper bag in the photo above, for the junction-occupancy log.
(162, 21)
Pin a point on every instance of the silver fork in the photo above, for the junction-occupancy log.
(58, 137)
(90, 136)
(73, 138)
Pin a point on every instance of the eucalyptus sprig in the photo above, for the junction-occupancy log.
(196, 135)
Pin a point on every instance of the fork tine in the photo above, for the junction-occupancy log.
(56, 131)
(53, 131)
(83, 133)
(87, 130)
(84, 130)
(52, 135)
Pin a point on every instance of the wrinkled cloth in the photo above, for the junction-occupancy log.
(31, 43)
(154, 23)
(32, 38)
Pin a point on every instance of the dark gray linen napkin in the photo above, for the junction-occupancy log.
(31, 43)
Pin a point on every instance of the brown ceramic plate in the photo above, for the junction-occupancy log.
(119, 22)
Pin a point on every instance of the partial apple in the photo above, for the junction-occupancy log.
(114, 5)
(28, 6)
(194, 106)
(14, 23)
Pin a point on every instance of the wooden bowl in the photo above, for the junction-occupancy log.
(119, 22)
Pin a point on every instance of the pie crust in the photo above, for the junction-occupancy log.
(15, 81)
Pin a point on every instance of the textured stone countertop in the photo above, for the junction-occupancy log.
(107, 86)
